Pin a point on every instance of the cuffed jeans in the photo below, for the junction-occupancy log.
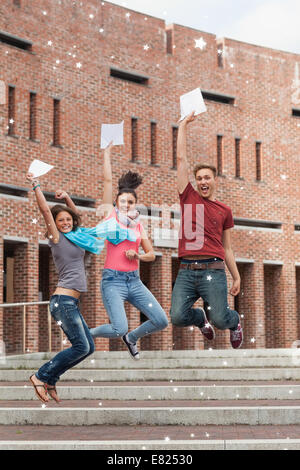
(211, 286)
(118, 286)
(65, 310)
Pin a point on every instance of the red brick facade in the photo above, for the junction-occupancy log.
(74, 45)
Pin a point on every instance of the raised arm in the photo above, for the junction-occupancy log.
(107, 199)
(182, 163)
(44, 209)
(60, 194)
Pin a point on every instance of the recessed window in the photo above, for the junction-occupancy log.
(56, 122)
(258, 161)
(219, 155)
(15, 41)
(170, 41)
(237, 157)
(129, 76)
(217, 97)
(12, 190)
(32, 116)
(134, 139)
(174, 146)
(153, 143)
(11, 110)
(296, 112)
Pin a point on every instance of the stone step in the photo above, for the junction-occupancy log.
(235, 444)
(175, 354)
(120, 375)
(149, 391)
(195, 363)
(59, 415)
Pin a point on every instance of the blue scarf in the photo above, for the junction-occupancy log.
(92, 239)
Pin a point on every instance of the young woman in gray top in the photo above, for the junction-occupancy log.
(64, 303)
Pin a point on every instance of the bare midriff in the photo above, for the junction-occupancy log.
(70, 292)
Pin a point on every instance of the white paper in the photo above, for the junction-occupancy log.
(112, 132)
(39, 168)
(192, 101)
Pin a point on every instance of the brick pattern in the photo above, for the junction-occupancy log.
(64, 66)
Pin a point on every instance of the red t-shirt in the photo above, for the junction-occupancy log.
(202, 225)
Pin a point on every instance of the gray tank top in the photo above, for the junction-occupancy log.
(69, 261)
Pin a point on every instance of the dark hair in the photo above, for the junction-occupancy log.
(128, 183)
(201, 166)
(58, 208)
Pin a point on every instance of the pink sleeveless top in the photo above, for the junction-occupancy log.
(115, 254)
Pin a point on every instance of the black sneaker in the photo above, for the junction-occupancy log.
(132, 348)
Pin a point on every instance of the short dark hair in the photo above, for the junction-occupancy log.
(202, 166)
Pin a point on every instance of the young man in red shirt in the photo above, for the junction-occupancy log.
(204, 248)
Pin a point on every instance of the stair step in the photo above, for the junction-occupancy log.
(162, 374)
(150, 415)
(237, 444)
(159, 392)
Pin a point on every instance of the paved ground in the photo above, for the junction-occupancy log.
(105, 432)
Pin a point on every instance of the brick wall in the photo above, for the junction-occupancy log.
(266, 87)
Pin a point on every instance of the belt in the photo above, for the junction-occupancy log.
(198, 265)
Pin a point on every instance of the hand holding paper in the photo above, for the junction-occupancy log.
(39, 168)
(192, 101)
(112, 133)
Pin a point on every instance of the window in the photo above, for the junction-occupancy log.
(296, 112)
(56, 122)
(134, 139)
(32, 116)
(170, 41)
(129, 76)
(153, 143)
(11, 110)
(15, 41)
(217, 97)
(258, 161)
(220, 56)
(219, 155)
(174, 146)
(237, 157)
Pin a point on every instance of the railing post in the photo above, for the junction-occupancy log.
(24, 328)
(49, 330)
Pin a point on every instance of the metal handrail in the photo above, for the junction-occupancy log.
(24, 305)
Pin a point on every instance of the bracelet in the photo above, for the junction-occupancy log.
(38, 185)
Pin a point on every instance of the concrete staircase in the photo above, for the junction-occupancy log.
(190, 391)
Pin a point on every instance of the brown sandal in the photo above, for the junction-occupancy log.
(44, 400)
(51, 389)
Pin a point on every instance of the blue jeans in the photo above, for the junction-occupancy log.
(211, 285)
(118, 286)
(65, 309)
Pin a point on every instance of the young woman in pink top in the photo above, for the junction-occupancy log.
(120, 279)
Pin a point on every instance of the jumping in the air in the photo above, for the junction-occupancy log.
(68, 242)
(204, 248)
(64, 303)
(120, 278)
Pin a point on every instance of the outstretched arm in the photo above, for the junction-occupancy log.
(44, 209)
(107, 200)
(182, 163)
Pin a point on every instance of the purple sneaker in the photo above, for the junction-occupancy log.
(207, 330)
(236, 337)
